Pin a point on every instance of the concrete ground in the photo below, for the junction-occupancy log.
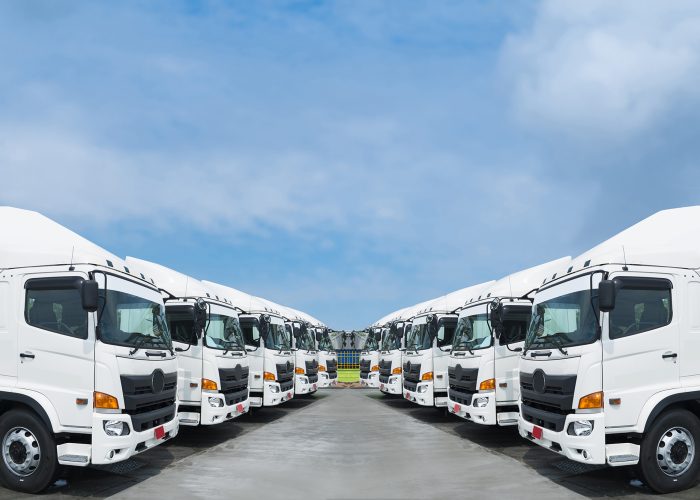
(343, 444)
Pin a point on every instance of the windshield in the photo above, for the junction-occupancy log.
(304, 339)
(473, 333)
(563, 321)
(419, 338)
(129, 320)
(371, 344)
(325, 343)
(224, 332)
(277, 337)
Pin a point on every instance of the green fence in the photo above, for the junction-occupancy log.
(348, 365)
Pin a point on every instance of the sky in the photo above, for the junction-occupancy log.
(355, 157)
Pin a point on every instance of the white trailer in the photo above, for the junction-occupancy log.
(88, 374)
(268, 345)
(212, 362)
(483, 366)
(428, 346)
(610, 371)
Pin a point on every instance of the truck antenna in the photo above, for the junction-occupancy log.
(624, 257)
(71, 267)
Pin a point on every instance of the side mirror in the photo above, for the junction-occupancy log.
(606, 295)
(496, 317)
(89, 295)
(200, 317)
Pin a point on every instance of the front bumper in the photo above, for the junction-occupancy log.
(110, 449)
(424, 398)
(211, 415)
(372, 380)
(303, 386)
(586, 449)
(326, 379)
(272, 396)
(485, 415)
(393, 386)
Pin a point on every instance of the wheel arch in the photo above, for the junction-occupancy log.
(12, 400)
(686, 400)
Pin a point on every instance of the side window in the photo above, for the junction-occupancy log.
(181, 324)
(640, 307)
(54, 305)
(446, 333)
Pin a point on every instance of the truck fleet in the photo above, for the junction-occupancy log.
(595, 358)
(104, 358)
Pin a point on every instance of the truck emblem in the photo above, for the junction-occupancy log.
(157, 381)
(458, 372)
(539, 383)
(238, 372)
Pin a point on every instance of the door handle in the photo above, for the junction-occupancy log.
(26, 355)
(668, 355)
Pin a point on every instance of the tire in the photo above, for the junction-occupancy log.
(20, 431)
(669, 459)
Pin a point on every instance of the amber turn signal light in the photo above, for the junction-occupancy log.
(105, 401)
(591, 401)
(427, 376)
(269, 376)
(488, 385)
(209, 385)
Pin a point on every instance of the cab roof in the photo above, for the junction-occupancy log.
(248, 303)
(452, 301)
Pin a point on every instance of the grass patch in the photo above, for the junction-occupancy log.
(349, 375)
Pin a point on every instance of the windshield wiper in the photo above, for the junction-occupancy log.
(138, 344)
(556, 342)
(466, 344)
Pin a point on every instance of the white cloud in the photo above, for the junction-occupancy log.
(604, 68)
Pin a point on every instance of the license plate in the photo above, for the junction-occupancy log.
(314, 386)
(289, 395)
(239, 408)
(408, 396)
(159, 432)
(537, 432)
(381, 386)
(456, 408)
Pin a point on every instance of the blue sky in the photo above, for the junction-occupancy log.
(349, 158)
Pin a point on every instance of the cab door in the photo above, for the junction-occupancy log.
(56, 345)
(189, 353)
(640, 346)
(8, 338)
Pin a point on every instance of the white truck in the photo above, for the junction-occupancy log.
(428, 347)
(610, 371)
(369, 358)
(394, 334)
(208, 341)
(304, 349)
(483, 367)
(327, 356)
(88, 374)
(269, 348)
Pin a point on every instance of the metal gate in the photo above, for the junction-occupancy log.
(348, 359)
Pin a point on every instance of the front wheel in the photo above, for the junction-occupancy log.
(669, 459)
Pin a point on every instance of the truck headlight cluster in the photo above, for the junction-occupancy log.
(580, 428)
(216, 402)
(116, 427)
(274, 388)
(422, 388)
(480, 402)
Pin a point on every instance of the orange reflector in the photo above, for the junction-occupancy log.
(321, 368)
(105, 401)
(591, 401)
(81, 401)
(488, 385)
(427, 376)
(299, 371)
(615, 401)
(209, 385)
(375, 368)
(269, 376)
(396, 371)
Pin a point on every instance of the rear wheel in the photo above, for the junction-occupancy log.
(669, 459)
(29, 462)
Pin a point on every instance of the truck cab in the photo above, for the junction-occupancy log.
(369, 358)
(208, 340)
(390, 356)
(483, 366)
(305, 356)
(609, 372)
(327, 358)
(88, 374)
(268, 345)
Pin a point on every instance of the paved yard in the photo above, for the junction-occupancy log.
(348, 443)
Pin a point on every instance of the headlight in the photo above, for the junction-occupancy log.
(480, 402)
(274, 388)
(216, 402)
(115, 428)
(422, 388)
(580, 428)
